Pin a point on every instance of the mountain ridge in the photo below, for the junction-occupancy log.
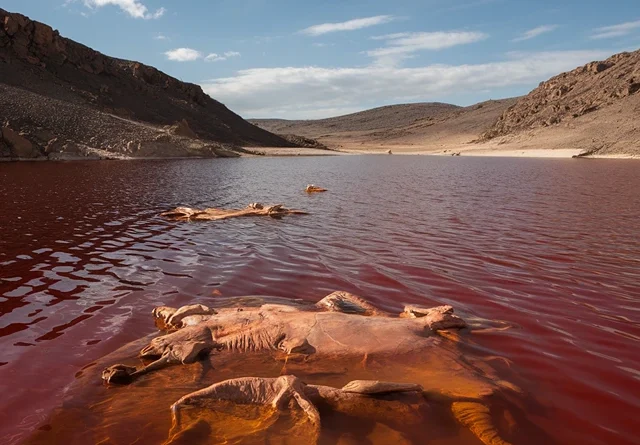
(405, 125)
(591, 110)
(36, 61)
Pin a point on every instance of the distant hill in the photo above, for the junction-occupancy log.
(370, 120)
(592, 110)
(60, 98)
(428, 125)
(595, 107)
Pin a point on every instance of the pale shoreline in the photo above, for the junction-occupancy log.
(413, 150)
(455, 151)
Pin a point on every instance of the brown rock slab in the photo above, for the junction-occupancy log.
(21, 147)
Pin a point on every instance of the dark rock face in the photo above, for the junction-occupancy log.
(36, 58)
(303, 141)
(19, 146)
(570, 95)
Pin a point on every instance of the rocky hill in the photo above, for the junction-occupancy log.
(408, 127)
(369, 120)
(595, 107)
(60, 98)
(593, 110)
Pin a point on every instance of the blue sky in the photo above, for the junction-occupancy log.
(310, 59)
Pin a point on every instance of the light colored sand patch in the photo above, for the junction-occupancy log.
(289, 151)
(528, 153)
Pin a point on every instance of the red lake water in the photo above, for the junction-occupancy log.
(550, 248)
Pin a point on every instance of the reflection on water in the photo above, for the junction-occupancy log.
(548, 246)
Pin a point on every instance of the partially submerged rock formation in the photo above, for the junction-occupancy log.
(371, 376)
(318, 337)
(56, 92)
(214, 214)
(314, 189)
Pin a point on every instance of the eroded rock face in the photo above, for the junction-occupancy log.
(182, 128)
(19, 146)
(5, 151)
(572, 94)
(36, 59)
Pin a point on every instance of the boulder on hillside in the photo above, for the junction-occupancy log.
(181, 128)
(20, 146)
(573, 94)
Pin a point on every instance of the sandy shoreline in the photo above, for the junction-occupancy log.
(521, 147)
(567, 153)
(456, 151)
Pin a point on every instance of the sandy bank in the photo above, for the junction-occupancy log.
(289, 151)
(518, 148)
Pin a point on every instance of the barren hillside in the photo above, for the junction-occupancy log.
(594, 108)
(91, 88)
(369, 120)
(409, 127)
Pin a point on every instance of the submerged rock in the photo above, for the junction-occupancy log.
(314, 189)
(254, 370)
(214, 214)
(337, 329)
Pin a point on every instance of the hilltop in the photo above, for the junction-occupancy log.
(594, 108)
(61, 99)
(406, 127)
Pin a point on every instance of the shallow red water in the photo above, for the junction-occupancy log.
(551, 247)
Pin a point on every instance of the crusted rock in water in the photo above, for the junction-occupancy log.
(214, 214)
(339, 327)
(314, 189)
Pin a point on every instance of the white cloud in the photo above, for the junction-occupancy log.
(156, 15)
(312, 92)
(535, 32)
(621, 29)
(213, 57)
(183, 55)
(160, 36)
(401, 45)
(350, 25)
(134, 8)
(397, 35)
(190, 55)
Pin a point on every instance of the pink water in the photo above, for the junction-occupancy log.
(551, 247)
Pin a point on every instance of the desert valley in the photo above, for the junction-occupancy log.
(178, 271)
(111, 108)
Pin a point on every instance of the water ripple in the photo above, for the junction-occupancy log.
(548, 247)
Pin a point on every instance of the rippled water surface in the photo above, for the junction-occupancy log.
(552, 247)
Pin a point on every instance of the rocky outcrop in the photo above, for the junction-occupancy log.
(182, 129)
(570, 95)
(18, 145)
(36, 59)
(303, 141)
(39, 127)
